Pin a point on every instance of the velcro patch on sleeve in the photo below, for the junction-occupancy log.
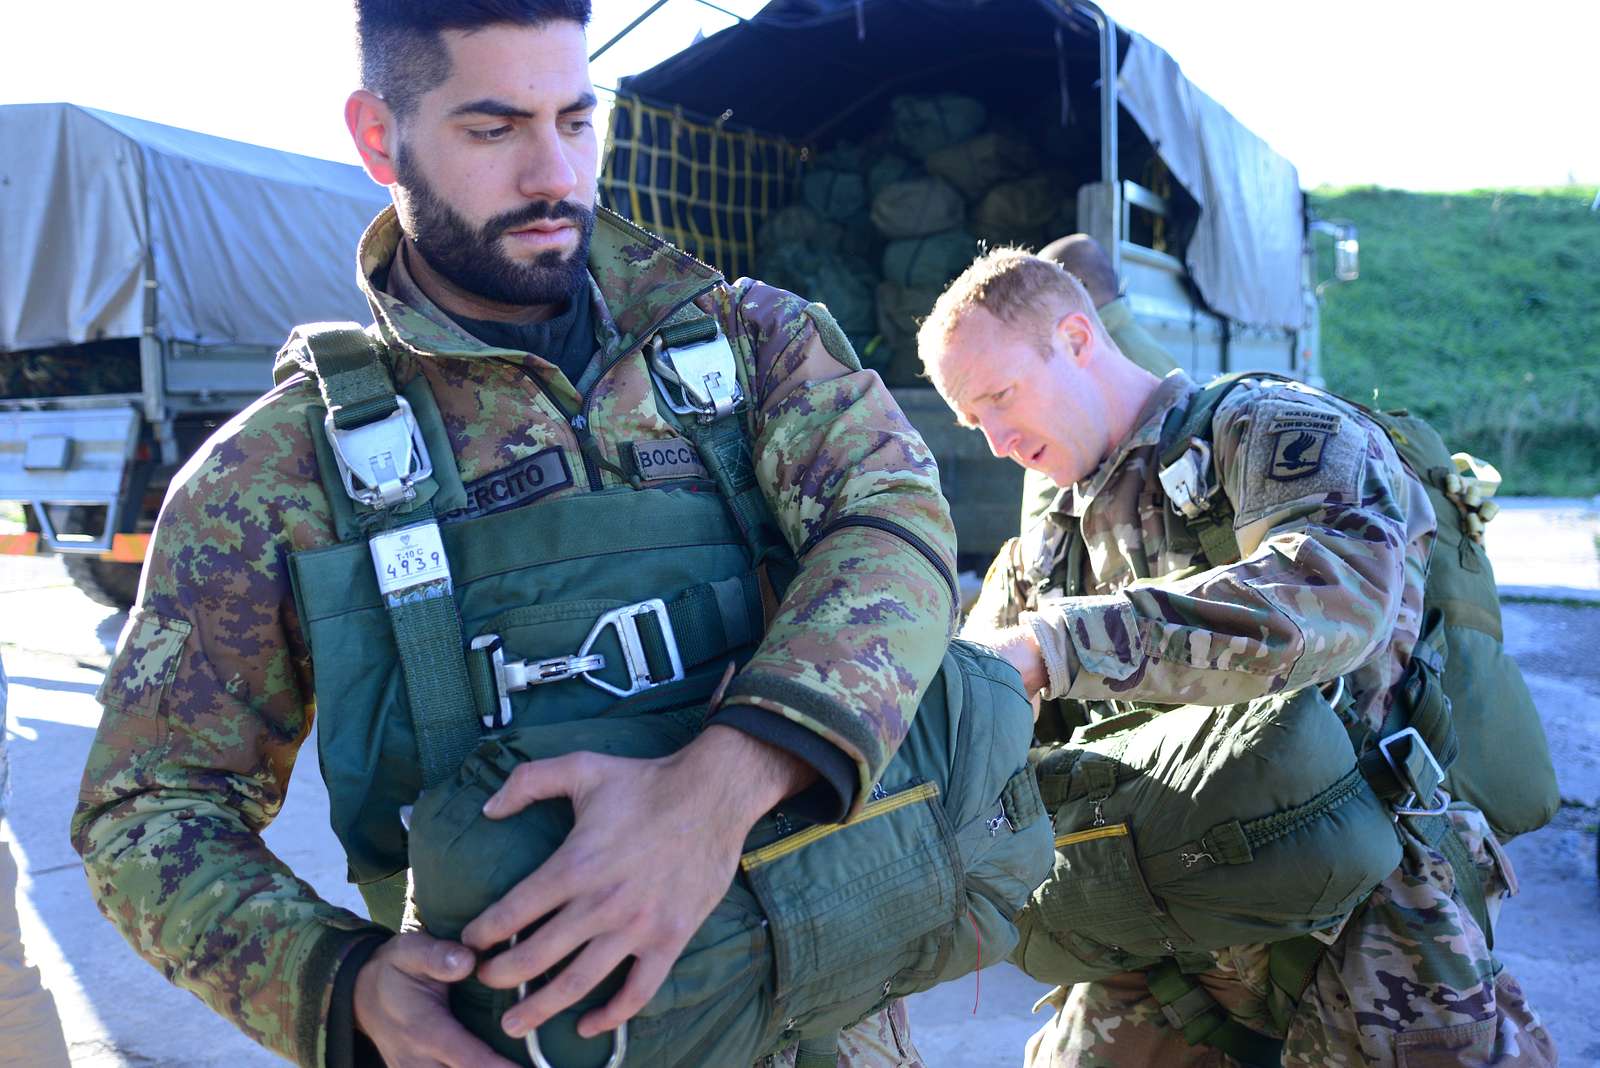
(145, 664)
(667, 458)
(1295, 453)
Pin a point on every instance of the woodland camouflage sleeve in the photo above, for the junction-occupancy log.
(863, 627)
(1321, 504)
(205, 707)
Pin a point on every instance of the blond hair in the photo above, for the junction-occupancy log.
(1014, 286)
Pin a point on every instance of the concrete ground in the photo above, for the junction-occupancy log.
(117, 1011)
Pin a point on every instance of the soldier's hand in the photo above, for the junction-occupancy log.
(653, 849)
(400, 1004)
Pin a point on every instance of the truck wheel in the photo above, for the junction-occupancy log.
(106, 582)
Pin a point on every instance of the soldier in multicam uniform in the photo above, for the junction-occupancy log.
(1334, 545)
(1086, 261)
(477, 114)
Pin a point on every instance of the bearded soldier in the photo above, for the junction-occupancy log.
(556, 358)
(1114, 598)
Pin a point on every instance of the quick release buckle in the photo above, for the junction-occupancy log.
(704, 375)
(1187, 479)
(1408, 805)
(510, 676)
(381, 462)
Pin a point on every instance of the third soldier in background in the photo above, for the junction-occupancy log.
(1333, 546)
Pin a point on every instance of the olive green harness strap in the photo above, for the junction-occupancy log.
(817, 1052)
(384, 465)
(1192, 1011)
(708, 621)
(428, 637)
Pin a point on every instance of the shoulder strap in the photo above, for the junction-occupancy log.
(1188, 475)
(382, 467)
(703, 385)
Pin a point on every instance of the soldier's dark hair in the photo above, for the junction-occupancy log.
(402, 55)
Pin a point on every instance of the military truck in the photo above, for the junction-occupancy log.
(147, 276)
(790, 130)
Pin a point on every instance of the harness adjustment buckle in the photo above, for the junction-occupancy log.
(1411, 804)
(511, 676)
(381, 462)
(705, 377)
(626, 622)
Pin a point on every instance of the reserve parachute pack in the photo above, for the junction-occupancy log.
(824, 923)
(606, 620)
(1491, 742)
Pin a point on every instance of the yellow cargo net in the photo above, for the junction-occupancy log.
(700, 185)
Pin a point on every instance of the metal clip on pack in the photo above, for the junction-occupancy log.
(381, 462)
(699, 379)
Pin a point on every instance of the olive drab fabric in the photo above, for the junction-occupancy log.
(211, 692)
(1329, 543)
(1504, 767)
(824, 923)
(1182, 832)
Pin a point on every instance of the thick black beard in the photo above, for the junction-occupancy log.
(471, 259)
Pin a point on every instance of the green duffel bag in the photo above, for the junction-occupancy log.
(1182, 832)
(1020, 212)
(834, 194)
(928, 262)
(924, 124)
(978, 165)
(888, 169)
(823, 925)
(799, 225)
(917, 207)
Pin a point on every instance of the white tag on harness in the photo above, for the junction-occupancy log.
(410, 557)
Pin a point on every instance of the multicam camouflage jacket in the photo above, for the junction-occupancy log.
(209, 696)
(1334, 535)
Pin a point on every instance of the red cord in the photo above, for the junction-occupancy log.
(977, 975)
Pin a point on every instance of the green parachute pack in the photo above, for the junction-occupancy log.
(824, 923)
(1491, 742)
(453, 645)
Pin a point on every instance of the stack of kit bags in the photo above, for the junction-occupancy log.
(880, 227)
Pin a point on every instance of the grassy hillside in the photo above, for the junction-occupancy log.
(1481, 311)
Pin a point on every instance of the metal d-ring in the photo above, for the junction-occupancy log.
(619, 1037)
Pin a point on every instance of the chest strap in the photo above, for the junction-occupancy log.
(660, 641)
(382, 461)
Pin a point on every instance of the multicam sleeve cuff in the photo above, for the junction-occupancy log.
(1055, 653)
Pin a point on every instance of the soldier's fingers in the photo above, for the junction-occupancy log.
(572, 868)
(544, 948)
(540, 780)
(649, 971)
(597, 960)
(551, 886)
(426, 957)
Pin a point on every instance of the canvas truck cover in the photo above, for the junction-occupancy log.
(242, 242)
(1245, 253)
(810, 71)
